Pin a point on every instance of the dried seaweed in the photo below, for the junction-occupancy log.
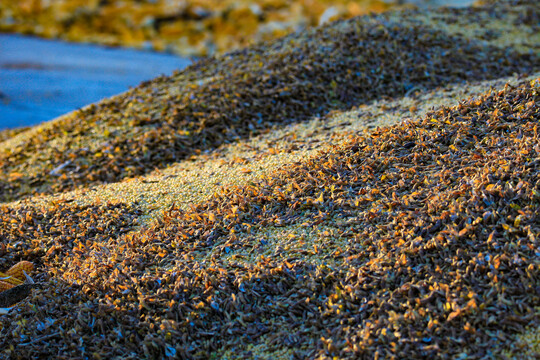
(434, 253)
(242, 93)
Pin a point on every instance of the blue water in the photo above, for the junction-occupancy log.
(43, 79)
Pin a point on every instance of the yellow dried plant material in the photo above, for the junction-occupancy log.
(4, 285)
(10, 279)
(15, 275)
(16, 270)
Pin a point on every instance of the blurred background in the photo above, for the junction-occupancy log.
(103, 47)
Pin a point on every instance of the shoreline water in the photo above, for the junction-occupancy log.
(42, 79)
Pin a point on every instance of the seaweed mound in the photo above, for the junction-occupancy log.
(415, 240)
(237, 95)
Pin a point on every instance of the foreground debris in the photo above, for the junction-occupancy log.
(15, 285)
(412, 241)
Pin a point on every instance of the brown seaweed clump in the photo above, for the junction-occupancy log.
(243, 93)
(6, 134)
(429, 248)
(29, 233)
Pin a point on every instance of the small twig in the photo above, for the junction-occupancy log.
(414, 89)
(45, 337)
(4, 311)
(29, 280)
(56, 170)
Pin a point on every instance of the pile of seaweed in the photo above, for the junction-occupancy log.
(243, 93)
(429, 247)
(411, 241)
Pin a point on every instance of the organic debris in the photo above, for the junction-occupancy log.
(16, 284)
(243, 93)
(15, 275)
(411, 241)
(194, 27)
(6, 134)
(429, 248)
